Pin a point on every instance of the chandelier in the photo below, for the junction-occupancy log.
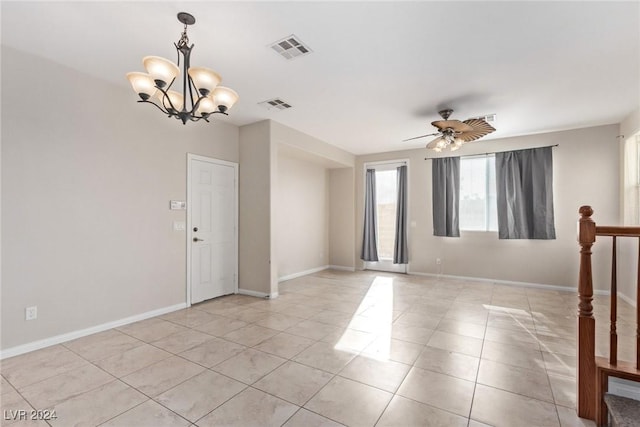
(201, 96)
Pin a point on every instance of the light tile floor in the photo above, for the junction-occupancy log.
(336, 348)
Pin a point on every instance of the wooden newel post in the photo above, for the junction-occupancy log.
(586, 370)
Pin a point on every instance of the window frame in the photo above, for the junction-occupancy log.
(386, 264)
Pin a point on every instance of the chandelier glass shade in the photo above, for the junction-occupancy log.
(201, 95)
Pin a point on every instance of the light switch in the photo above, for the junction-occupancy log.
(179, 226)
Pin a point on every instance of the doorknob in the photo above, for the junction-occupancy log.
(195, 228)
(195, 239)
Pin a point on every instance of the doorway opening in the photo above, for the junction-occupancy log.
(386, 183)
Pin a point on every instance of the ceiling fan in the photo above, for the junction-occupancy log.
(454, 133)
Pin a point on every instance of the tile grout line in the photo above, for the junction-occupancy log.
(475, 383)
(553, 394)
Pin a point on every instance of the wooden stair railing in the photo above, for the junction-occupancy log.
(593, 372)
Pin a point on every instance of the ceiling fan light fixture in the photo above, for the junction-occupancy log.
(454, 133)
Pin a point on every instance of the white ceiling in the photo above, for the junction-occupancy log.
(379, 71)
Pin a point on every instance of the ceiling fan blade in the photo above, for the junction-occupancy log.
(422, 136)
(434, 143)
(479, 128)
(456, 125)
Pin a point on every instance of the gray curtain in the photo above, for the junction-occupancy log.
(524, 190)
(400, 251)
(369, 239)
(445, 181)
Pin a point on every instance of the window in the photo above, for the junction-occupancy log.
(478, 211)
(631, 183)
(636, 205)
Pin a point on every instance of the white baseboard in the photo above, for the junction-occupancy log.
(513, 283)
(624, 388)
(302, 273)
(47, 342)
(341, 268)
(251, 293)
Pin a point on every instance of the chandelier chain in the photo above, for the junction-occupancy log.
(184, 39)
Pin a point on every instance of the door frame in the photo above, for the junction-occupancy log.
(188, 234)
(384, 265)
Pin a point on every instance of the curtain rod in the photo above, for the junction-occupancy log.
(494, 152)
(387, 162)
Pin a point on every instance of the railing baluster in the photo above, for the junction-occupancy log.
(613, 336)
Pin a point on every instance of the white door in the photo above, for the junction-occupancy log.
(212, 222)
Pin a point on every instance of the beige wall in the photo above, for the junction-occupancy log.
(87, 175)
(631, 124)
(314, 155)
(302, 236)
(586, 168)
(282, 134)
(255, 237)
(341, 217)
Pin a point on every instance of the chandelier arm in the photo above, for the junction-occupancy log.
(168, 98)
(196, 118)
(186, 79)
(194, 105)
(191, 87)
(159, 107)
(197, 103)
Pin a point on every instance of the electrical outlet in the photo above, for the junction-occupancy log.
(438, 261)
(31, 313)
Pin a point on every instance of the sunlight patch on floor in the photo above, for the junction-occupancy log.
(378, 306)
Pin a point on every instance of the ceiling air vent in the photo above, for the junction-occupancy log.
(487, 118)
(275, 103)
(290, 47)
